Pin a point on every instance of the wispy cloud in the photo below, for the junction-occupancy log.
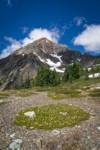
(53, 35)
(9, 3)
(89, 38)
(79, 20)
(25, 30)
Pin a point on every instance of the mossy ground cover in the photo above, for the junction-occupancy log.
(25, 92)
(81, 83)
(2, 103)
(4, 95)
(94, 93)
(16, 93)
(61, 93)
(52, 116)
(68, 90)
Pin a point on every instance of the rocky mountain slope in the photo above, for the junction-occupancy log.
(24, 62)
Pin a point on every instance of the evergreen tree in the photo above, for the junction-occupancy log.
(92, 70)
(46, 77)
(68, 74)
(75, 73)
(86, 74)
(72, 72)
(54, 78)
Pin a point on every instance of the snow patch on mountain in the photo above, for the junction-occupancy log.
(56, 56)
(97, 65)
(43, 50)
(47, 41)
(51, 63)
(23, 54)
(56, 69)
(78, 59)
(42, 60)
(54, 66)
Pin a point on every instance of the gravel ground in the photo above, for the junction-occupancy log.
(85, 136)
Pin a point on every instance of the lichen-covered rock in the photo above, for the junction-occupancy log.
(16, 144)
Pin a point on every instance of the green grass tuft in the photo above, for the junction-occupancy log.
(4, 95)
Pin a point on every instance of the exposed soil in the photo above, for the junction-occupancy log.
(85, 136)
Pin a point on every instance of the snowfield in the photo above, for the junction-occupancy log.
(54, 66)
(51, 63)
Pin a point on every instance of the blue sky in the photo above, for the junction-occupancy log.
(75, 23)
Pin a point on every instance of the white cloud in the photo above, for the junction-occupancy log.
(79, 20)
(35, 34)
(9, 49)
(89, 38)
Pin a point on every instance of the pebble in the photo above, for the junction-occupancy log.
(70, 104)
(88, 137)
(30, 114)
(55, 132)
(12, 135)
(31, 128)
(38, 142)
(98, 128)
(95, 148)
(1, 101)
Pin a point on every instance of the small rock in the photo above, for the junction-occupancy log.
(59, 147)
(38, 142)
(1, 101)
(7, 134)
(88, 137)
(93, 114)
(77, 126)
(16, 144)
(95, 148)
(98, 128)
(18, 141)
(70, 104)
(55, 132)
(30, 114)
(12, 135)
(63, 113)
(31, 128)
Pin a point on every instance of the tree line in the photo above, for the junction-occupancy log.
(46, 77)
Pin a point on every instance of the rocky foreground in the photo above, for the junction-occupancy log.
(85, 136)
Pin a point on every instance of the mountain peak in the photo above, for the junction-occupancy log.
(44, 39)
(24, 63)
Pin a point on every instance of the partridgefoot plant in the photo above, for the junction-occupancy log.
(51, 116)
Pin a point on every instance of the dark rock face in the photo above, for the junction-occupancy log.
(25, 61)
(17, 69)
